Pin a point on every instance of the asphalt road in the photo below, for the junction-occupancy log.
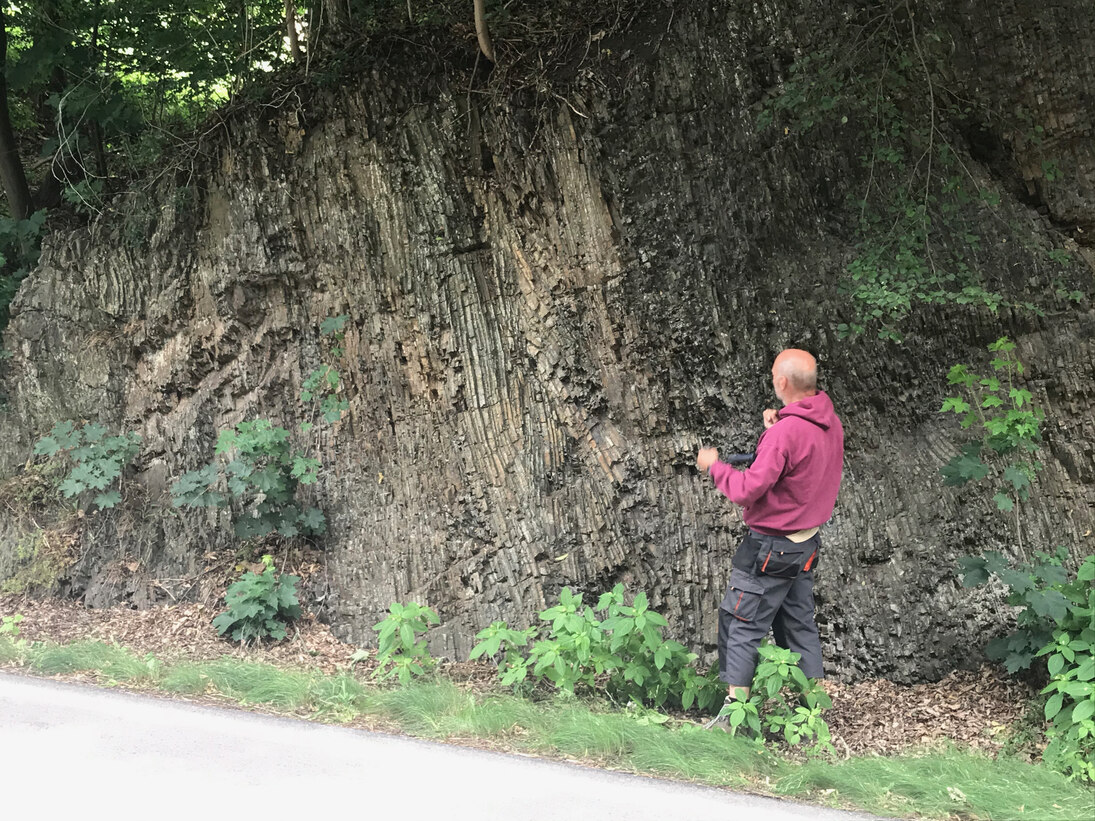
(70, 752)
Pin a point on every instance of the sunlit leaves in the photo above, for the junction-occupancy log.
(136, 68)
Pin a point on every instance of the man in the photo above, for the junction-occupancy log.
(785, 495)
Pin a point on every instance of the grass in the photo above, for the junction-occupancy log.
(698, 755)
(247, 682)
(948, 782)
(336, 697)
(570, 728)
(945, 784)
(108, 660)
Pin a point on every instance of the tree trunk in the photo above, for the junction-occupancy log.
(12, 174)
(291, 30)
(95, 128)
(546, 320)
(336, 14)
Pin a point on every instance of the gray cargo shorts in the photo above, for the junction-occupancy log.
(771, 588)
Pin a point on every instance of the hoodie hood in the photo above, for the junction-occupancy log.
(817, 409)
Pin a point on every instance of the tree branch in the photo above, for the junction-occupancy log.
(481, 31)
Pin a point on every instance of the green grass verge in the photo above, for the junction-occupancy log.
(337, 697)
(107, 660)
(571, 728)
(946, 784)
(247, 682)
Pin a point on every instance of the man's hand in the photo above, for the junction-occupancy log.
(706, 458)
(771, 416)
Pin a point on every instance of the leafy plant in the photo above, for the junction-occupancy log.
(20, 245)
(1060, 256)
(402, 651)
(626, 653)
(97, 459)
(1056, 621)
(654, 670)
(9, 625)
(1007, 424)
(1043, 594)
(262, 475)
(260, 605)
(574, 651)
(500, 642)
(323, 383)
(782, 701)
(1056, 615)
(1070, 660)
(260, 472)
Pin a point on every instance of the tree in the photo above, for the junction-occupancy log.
(11, 167)
(94, 93)
(100, 88)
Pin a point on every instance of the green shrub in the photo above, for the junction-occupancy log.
(1056, 618)
(260, 605)
(1070, 660)
(260, 473)
(20, 246)
(263, 479)
(9, 625)
(1007, 423)
(402, 652)
(1041, 591)
(501, 643)
(1056, 621)
(322, 386)
(627, 652)
(97, 459)
(783, 702)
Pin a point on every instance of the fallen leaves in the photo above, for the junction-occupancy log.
(970, 708)
(173, 632)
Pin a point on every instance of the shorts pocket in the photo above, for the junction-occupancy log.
(743, 596)
(784, 559)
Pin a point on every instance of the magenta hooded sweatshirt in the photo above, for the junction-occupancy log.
(793, 482)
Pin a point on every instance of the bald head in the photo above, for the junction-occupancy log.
(794, 375)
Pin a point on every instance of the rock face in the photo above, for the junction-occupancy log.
(553, 300)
